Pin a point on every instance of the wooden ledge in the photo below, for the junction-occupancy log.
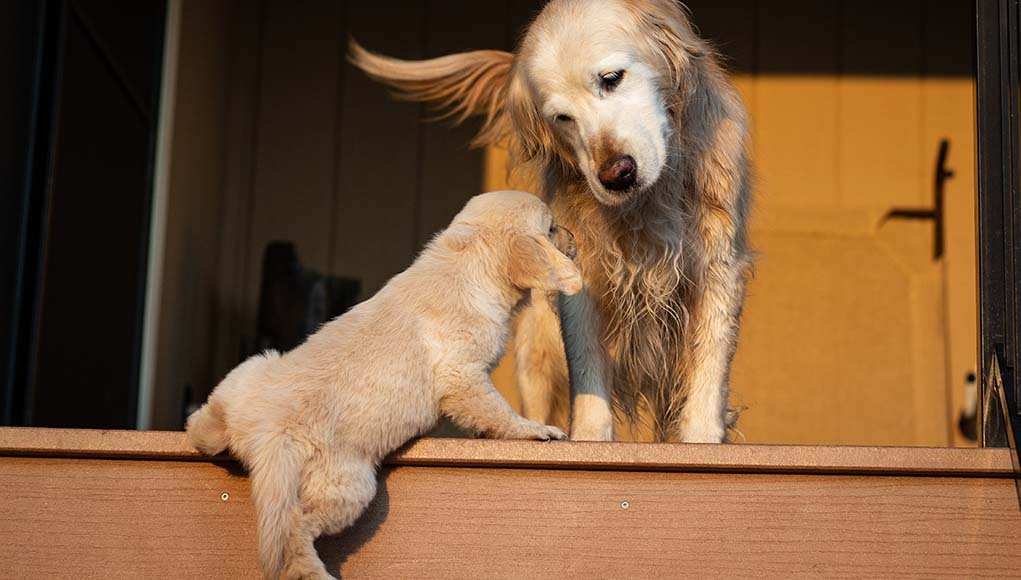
(436, 452)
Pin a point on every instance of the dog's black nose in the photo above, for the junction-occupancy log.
(618, 173)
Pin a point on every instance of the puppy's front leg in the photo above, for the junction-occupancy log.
(470, 400)
(591, 407)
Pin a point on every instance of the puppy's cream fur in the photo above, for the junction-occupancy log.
(313, 424)
(665, 261)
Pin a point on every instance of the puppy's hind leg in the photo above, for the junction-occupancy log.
(540, 365)
(334, 493)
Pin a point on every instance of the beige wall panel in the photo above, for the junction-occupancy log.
(794, 122)
(826, 352)
(378, 164)
(451, 172)
(949, 105)
(235, 316)
(745, 85)
(880, 117)
(194, 200)
(794, 111)
(296, 133)
(909, 244)
(880, 137)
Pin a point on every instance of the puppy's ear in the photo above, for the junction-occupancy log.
(458, 236)
(535, 263)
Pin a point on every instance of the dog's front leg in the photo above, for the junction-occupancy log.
(591, 406)
(469, 399)
(715, 325)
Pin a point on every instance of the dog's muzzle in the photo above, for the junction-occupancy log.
(563, 239)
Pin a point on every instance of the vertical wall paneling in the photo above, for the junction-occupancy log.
(948, 112)
(235, 313)
(794, 113)
(191, 262)
(450, 171)
(879, 100)
(378, 172)
(294, 162)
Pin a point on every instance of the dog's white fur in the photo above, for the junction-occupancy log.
(313, 424)
(665, 261)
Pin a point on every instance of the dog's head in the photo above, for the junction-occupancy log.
(597, 84)
(596, 90)
(517, 233)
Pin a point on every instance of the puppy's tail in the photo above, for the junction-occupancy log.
(461, 85)
(276, 480)
(207, 430)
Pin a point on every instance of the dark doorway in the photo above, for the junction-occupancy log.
(86, 191)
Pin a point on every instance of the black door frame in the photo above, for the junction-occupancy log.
(41, 27)
(999, 215)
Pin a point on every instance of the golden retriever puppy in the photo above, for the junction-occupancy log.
(639, 144)
(313, 424)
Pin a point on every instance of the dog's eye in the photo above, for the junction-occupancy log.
(610, 80)
(562, 118)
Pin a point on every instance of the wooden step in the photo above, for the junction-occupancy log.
(128, 504)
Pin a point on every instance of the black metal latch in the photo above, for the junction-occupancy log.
(936, 213)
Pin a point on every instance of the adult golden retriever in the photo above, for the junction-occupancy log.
(626, 119)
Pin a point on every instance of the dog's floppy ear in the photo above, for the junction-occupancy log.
(461, 85)
(673, 39)
(535, 263)
(532, 140)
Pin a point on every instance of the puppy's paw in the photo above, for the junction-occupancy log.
(571, 283)
(534, 430)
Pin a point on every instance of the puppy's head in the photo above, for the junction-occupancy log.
(518, 233)
(596, 84)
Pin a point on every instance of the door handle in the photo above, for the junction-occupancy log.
(936, 212)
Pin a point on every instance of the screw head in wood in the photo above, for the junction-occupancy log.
(224, 496)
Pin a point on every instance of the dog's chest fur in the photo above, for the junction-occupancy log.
(638, 273)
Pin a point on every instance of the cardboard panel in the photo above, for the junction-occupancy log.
(794, 114)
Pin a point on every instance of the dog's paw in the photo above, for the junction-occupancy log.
(593, 432)
(704, 434)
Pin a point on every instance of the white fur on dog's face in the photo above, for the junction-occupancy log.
(596, 120)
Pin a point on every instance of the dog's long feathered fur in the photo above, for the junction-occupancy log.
(668, 268)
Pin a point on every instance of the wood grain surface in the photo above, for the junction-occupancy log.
(108, 518)
(808, 459)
